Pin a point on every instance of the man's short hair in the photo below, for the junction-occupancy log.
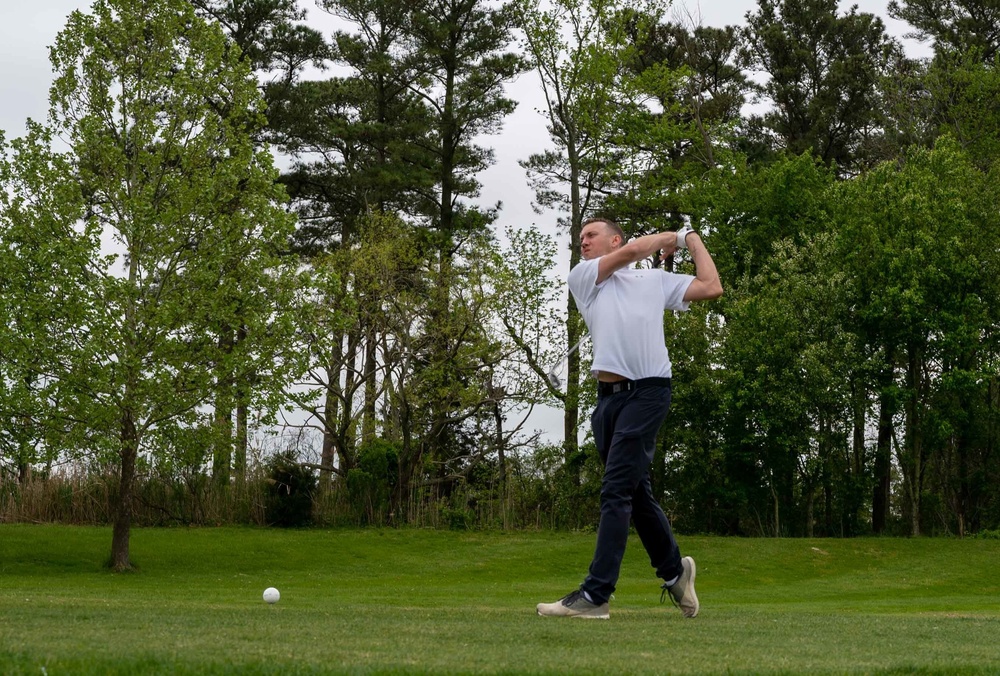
(614, 227)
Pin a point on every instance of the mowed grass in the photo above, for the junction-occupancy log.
(422, 601)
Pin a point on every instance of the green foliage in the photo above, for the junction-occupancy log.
(700, 492)
(457, 518)
(840, 295)
(787, 353)
(291, 491)
(749, 212)
(960, 85)
(566, 490)
(398, 137)
(954, 25)
(371, 484)
(750, 439)
(577, 76)
(676, 106)
(923, 299)
(367, 127)
(523, 298)
(824, 70)
(461, 51)
(156, 229)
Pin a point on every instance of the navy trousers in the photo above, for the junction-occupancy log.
(625, 426)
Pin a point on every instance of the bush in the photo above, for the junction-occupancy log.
(987, 535)
(458, 518)
(371, 483)
(565, 492)
(290, 492)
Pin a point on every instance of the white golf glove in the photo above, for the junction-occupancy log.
(682, 236)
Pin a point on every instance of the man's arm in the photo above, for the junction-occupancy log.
(636, 250)
(706, 284)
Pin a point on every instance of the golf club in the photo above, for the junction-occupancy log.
(553, 375)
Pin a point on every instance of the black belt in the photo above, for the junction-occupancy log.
(604, 389)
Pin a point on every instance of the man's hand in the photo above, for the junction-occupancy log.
(661, 256)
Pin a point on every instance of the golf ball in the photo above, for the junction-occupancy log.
(271, 595)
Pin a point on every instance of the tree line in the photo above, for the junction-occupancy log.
(167, 292)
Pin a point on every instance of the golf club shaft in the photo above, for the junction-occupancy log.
(573, 349)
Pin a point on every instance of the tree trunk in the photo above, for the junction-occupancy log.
(242, 441)
(852, 518)
(368, 427)
(440, 312)
(331, 405)
(23, 473)
(222, 457)
(409, 458)
(777, 510)
(123, 513)
(912, 462)
(242, 414)
(347, 425)
(810, 513)
(883, 457)
(574, 328)
(858, 405)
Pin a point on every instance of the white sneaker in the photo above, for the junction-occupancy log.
(574, 604)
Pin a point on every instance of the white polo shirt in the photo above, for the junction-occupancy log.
(625, 317)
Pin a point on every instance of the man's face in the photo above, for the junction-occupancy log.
(597, 239)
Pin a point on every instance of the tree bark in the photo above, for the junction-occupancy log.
(368, 424)
(331, 405)
(122, 527)
(242, 441)
(912, 463)
(222, 457)
(883, 457)
(242, 419)
(571, 411)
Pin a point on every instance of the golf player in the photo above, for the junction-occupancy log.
(623, 309)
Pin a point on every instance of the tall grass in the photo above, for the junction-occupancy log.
(80, 494)
(80, 497)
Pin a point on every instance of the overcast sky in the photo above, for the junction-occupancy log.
(28, 28)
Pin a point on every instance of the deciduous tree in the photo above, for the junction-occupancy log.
(919, 240)
(574, 49)
(157, 222)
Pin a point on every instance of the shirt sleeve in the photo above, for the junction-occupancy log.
(674, 288)
(583, 282)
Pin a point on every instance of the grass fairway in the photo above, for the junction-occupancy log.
(418, 601)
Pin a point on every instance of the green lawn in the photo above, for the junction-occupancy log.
(418, 601)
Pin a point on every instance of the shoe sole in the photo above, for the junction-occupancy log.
(583, 616)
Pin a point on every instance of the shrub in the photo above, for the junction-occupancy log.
(290, 492)
(371, 483)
